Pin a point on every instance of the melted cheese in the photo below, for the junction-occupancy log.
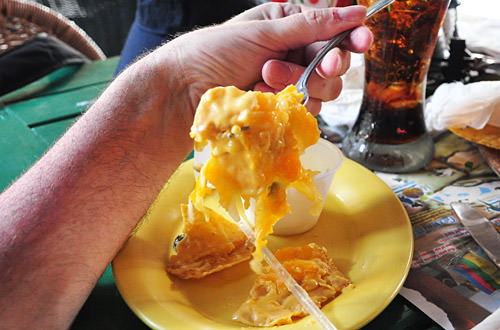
(270, 303)
(256, 140)
(211, 243)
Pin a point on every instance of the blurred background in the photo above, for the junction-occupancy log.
(105, 21)
(108, 21)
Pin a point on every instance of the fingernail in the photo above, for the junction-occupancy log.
(352, 13)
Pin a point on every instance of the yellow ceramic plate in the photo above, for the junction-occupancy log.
(363, 225)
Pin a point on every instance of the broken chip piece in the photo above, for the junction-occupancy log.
(271, 303)
(211, 243)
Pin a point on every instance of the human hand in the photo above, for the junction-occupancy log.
(267, 48)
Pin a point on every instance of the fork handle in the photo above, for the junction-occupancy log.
(304, 78)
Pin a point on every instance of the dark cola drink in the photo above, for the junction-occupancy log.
(390, 125)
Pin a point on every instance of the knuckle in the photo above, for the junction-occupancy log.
(311, 16)
(316, 17)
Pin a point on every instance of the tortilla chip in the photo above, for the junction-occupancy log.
(211, 244)
(488, 136)
(271, 303)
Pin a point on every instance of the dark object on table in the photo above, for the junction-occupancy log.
(36, 40)
(453, 61)
(462, 65)
(457, 62)
(34, 59)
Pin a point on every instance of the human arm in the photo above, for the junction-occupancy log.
(64, 220)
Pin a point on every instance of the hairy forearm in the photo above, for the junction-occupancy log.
(63, 221)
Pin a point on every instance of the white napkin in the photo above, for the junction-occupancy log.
(459, 105)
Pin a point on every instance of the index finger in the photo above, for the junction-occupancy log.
(359, 41)
(314, 25)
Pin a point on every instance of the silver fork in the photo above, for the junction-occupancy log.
(304, 78)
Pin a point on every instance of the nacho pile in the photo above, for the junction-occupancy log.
(255, 140)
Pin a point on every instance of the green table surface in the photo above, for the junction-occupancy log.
(31, 120)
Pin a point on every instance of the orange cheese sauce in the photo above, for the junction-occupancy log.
(211, 243)
(270, 303)
(256, 140)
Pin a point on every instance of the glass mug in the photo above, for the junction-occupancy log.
(389, 133)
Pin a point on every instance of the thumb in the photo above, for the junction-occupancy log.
(313, 25)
